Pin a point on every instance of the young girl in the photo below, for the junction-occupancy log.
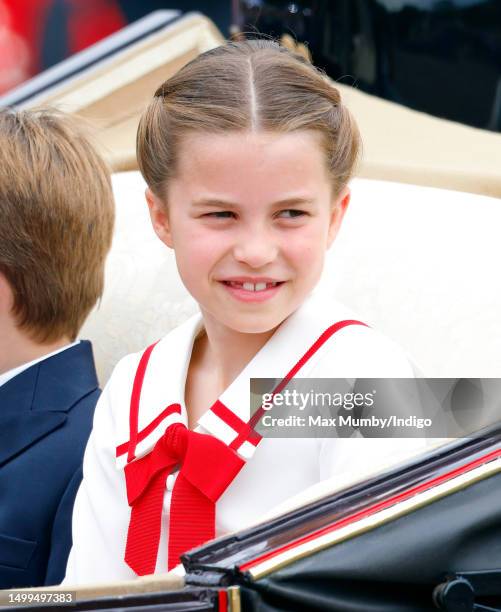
(247, 152)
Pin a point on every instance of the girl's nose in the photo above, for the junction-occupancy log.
(256, 249)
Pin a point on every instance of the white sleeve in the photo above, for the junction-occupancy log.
(361, 352)
(101, 512)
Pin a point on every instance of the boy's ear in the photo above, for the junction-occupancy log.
(6, 298)
(338, 209)
(159, 217)
(5, 294)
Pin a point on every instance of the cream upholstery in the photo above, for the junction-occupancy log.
(418, 263)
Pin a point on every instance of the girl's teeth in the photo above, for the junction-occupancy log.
(252, 287)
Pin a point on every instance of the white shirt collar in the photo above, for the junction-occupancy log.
(165, 376)
(6, 376)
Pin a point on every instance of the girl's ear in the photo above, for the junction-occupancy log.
(159, 217)
(338, 209)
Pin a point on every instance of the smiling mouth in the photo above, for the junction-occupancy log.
(252, 286)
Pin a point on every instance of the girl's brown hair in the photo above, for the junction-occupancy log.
(252, 85)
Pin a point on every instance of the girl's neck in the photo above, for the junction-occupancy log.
(226, 352)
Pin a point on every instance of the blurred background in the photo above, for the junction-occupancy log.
(442, 57)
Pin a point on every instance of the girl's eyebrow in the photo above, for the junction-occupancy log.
(223, 203)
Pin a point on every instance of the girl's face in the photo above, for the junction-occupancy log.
(249, 216)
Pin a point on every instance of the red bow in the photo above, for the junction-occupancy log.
(208, 467)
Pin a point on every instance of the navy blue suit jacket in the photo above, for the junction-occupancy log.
(45, 420)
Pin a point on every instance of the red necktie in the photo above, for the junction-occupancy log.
(208, 466)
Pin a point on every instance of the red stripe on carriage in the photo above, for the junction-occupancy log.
(222, 601)
(375, 508)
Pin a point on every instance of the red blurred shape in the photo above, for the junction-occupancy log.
(92, 20)
(22, 32)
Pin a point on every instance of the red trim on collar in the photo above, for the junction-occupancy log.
(309, 353)
(244, 431)
(134, 401)
(123, 448)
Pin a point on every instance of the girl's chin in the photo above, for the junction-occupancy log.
(252, 327)
(249, 324)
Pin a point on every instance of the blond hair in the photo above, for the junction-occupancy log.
(247, 85)
(56, 221)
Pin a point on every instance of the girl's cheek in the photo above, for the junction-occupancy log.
(307, 243)
(201, 247)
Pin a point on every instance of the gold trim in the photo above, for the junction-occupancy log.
(375, 520)
(234, 604)
(155, 583)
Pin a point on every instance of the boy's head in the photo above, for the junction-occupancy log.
(56, 222)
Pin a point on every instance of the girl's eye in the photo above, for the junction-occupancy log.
(291, 213)
(221, 214)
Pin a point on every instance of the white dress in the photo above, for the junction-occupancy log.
(275, 470)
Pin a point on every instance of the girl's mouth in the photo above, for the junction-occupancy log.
(252, 292)
(252, 286)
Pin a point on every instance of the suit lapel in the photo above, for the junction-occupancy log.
(35, 402)
(65, 378)
(20, 431)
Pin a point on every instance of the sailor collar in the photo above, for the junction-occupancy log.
(162, 394)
